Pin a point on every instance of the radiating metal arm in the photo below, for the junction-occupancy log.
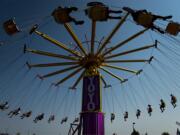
(113, 75)
(52, 64)
(121, 68)
(93, 34)
(131, 51)
(105, 84)
(125, 41)
(75, 38)
(60, 71)
(126, 61)
(112, 33)
(51, 54)
(78, 80)
(69, 76)
(150, 59)
(103, 81)
(57, 43)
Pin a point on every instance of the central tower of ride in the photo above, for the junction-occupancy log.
(88, 63)
(92, 115)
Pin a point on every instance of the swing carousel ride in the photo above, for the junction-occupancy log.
(109, 65)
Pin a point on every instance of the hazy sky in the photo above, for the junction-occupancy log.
(20, 88)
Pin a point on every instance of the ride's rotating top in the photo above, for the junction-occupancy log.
(97, 59)
(91, 63)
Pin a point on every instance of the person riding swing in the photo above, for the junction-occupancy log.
(125, 116)
(76, 120)
(173, 100)
(112, 117)
(11, 27)
(138, 113)
(97, 11)
(14, 112)
(146, 19)
(39, 118)
(173, 28)
(149, 109)
(162, 105)
(64, 120)
(26, 115)
(62, 15)
(51, 118)
(4, 106)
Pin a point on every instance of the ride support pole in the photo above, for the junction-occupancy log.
(92, 115)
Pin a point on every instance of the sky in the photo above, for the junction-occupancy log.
(19, 86)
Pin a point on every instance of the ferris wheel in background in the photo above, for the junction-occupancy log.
(91, 62)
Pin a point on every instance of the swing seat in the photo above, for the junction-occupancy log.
(52, 118)
(98, 13)
(76, 120)
(95, 3)
(150, 110)
(64, 120)
(163, 106)
(28, 114)
(173, 28)
(174, 100)
(145, 19)
(61, 16)
(10, 27)
(112, 117)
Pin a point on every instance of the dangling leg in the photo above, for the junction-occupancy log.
(174, 104)
(114, 17)
(22, 116)
(72, 9)
(149, 113)
(158, 29)
(35, 120)
(11, 115)
(113, 11)
(161, 109)
(162, 17)
(129, 10)
(76, 22)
